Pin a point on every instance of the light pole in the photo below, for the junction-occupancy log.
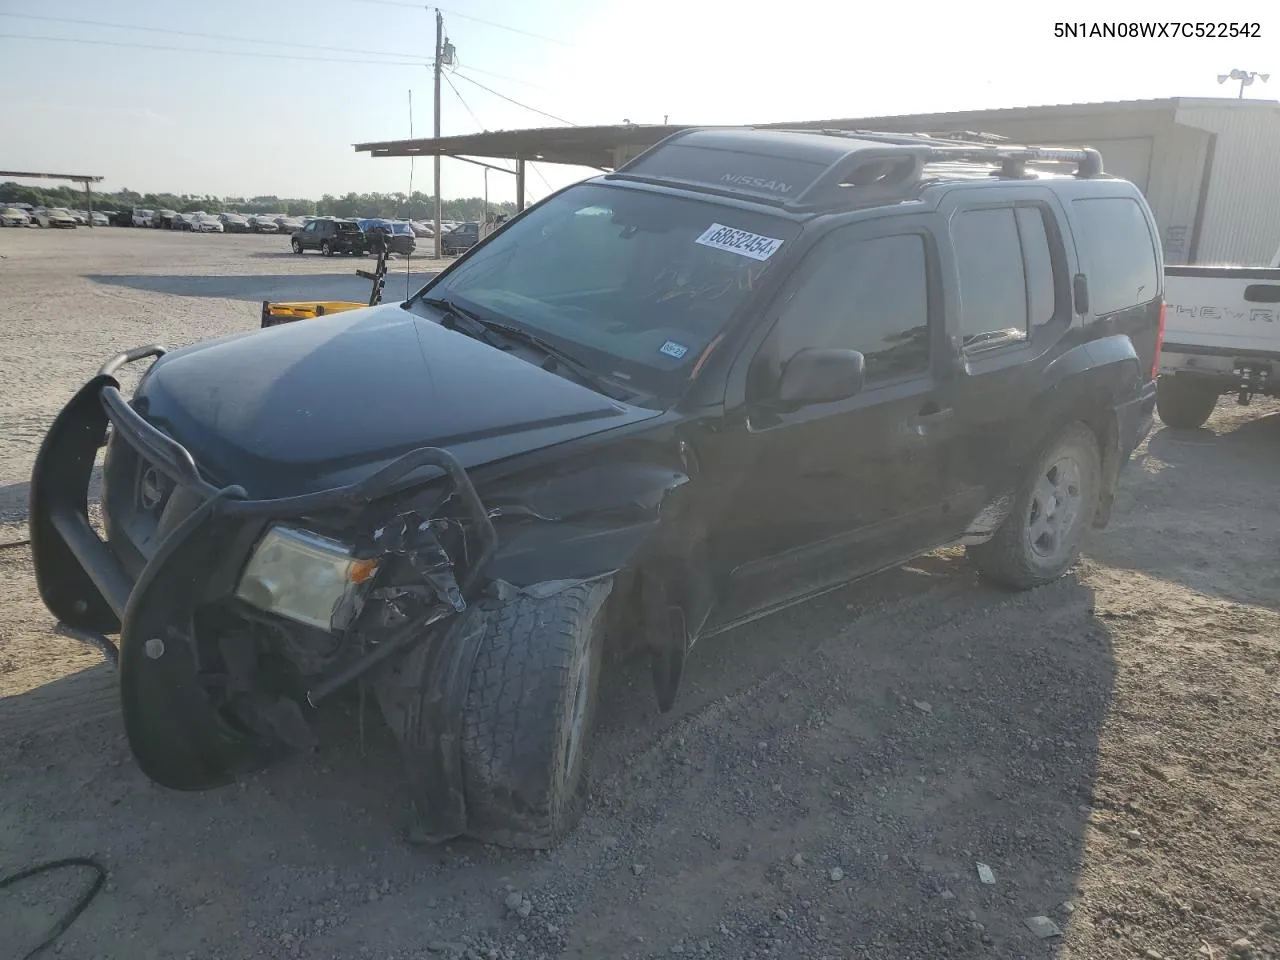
(1245, 77)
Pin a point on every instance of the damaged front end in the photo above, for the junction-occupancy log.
(231, 610)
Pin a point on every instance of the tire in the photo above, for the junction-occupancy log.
(529, 714)
(296, 244)
(1185, 403)
(326, 248)
(1039, 540)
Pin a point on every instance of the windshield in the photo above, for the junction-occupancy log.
(636, 284)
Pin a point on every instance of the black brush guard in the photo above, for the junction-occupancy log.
(178, 738)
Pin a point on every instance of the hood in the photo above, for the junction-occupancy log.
(319, 403)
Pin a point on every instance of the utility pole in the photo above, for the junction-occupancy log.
(439, 67)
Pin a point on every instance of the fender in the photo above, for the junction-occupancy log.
(1088, 382)
(622, 518)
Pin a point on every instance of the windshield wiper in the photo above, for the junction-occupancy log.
(581, 370)
(477, 327)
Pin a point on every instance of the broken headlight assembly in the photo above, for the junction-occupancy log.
(305, 577)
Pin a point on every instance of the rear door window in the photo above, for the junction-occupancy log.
(1118, 252)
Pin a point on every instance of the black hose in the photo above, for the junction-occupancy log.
(78, 908)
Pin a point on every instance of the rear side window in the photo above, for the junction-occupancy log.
(993, 289)
(1005, 267)
(869, 295)
(1118, 252)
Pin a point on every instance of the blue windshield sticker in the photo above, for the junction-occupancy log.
(673, 349)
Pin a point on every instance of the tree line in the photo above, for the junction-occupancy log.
(420, 206)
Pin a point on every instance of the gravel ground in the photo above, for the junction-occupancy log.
(827, 785)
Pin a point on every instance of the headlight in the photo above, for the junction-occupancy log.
(305, 577)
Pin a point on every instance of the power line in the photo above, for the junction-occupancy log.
(200, 35)
(221, 53)
(503, 96)
(258, 40)
(463, 102)
(467, 16)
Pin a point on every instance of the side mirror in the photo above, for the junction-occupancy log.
(821, 375)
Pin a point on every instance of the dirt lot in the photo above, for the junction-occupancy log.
(824, 788)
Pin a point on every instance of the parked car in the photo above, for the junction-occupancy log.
(330, 237)
(1222, 336)
(265, 223)
(80, 217)
(422, 231)
(55, 217)
(100, 218)
(289, 224)
(163, 219)
(201, 222)
(742, 369)
(13, 217)
(234, 223)
(460, 239)
(399, 236)
(141, 217)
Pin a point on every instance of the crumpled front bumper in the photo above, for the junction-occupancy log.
(177, 736)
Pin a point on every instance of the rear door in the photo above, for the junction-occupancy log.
(1010, 265)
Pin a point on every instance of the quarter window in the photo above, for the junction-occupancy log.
(868, 295)
(1118, 252)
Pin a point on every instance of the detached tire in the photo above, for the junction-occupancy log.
(1185, 403)
(1053, 508)
(529, 714)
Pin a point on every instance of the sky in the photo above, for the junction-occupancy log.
(275, 109)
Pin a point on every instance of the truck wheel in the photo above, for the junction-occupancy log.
(326, 248)
(1185, 403)
(528, 718)
(1056, 504)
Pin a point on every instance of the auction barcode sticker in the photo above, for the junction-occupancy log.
(739, 241)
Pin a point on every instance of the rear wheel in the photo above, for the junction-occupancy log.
(529, 714)
(1057, 502)
(326, 248)
(1185, 403)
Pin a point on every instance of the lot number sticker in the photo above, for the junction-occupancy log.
(739, 241)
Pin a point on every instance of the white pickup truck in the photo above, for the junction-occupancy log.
(1221, 335)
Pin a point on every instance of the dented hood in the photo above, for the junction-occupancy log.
(319, 403)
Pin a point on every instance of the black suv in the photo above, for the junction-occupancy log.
(330, 237)
(745, 367)
(460, 239)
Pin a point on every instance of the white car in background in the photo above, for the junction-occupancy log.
(100, 219)
(13, 217)
(142, 218)
(202, 222)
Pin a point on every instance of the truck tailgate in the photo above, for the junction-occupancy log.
(1223, 309)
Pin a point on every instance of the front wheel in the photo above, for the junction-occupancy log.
(296, 244)
(1055, 505)
(1185, 403)
(529, 714)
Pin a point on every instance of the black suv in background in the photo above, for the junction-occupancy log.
(460, 239)
(741, 369)
(330, 237)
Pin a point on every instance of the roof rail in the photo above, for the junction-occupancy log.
(1012, 158)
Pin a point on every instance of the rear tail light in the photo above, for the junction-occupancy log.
(1155, 360)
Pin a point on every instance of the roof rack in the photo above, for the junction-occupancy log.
(876, 168)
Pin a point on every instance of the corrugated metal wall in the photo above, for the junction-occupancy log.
(1173, 190)
(1241, 220)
